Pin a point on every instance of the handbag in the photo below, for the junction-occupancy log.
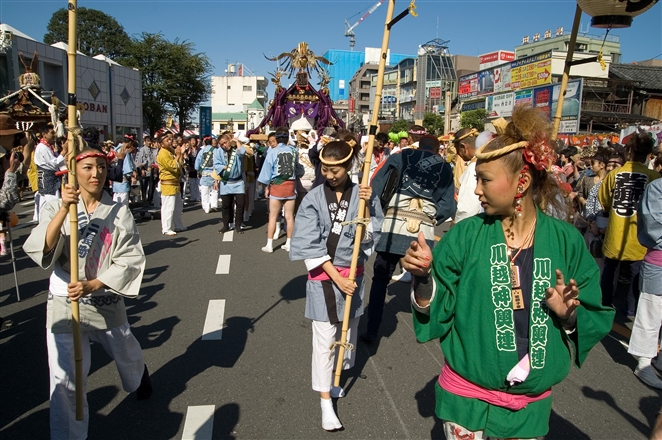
(595, 246)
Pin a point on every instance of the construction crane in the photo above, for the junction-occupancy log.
(349, 31)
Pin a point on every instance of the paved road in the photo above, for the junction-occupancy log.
(254, 382)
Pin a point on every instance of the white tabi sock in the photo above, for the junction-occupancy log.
(287, 242)
(270, 242)
(330, 421)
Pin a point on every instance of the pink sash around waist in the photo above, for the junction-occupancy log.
(318, 273)
(452, 382)
(654, 257)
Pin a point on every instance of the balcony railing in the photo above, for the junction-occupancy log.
(594, 106)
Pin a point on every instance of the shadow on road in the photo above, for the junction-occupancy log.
(225, 420)
(153, 418)
(167, 243)
(648, 410)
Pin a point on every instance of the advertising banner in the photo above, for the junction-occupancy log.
(468, 86)
(524, 97)
(531, 71)
(205, 121)
(500, 105)
(572, 106)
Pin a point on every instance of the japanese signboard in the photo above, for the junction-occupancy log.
(500, 105)
(524, 73)
(205, 121)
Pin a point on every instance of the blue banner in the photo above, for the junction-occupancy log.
(205, 121)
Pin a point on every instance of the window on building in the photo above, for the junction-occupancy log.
(229, 87)
(241, 126)
(248, 88)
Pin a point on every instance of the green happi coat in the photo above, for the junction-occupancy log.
(471, 313)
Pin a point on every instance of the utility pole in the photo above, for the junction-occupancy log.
(447, 113)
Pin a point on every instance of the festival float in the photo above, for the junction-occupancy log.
(300, 106)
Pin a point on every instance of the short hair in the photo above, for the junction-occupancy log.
(272, 134)
(641, 144)
(282, 134)
(381, 138)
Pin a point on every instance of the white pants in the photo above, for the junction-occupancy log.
(194, 188)
(646, 328)
(171, 212)
(45, 198)
(209, 198)
(121, 198)
(119, 343)
(325, 334)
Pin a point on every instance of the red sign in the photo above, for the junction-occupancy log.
(489, 57)
(351, 104)
(507, 56)
(435, 92)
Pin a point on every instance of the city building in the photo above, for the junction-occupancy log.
(345, 63)
(111, 94)
(646, 100)
(559, 41)
(236, 91)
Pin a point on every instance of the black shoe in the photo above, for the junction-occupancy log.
(144, 391)
(238, 231)
(369, 337)
(223, 230)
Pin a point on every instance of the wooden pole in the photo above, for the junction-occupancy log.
(73, 209)
(360, 228)
(566, 72)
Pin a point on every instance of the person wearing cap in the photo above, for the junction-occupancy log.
(48, 162)
(619, 195)
(421, 198)
(171, 164)
(122, 189)
(204, 165)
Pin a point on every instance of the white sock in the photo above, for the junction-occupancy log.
(270, 242)
(330, 421)
(643, 361)
(287, 242)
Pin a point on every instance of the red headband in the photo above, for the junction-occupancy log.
(90, 154)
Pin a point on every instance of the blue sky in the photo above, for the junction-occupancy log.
(243, 30)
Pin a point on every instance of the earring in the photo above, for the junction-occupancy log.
(520, 190)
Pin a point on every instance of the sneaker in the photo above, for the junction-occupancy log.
(223, 230)
(285, 247)
(180, 229)
(648, 376)
(213, 209)
(404, 277)
(231, 226)
(337, 392)
(268, 249)
(169, 233)
(243, 227)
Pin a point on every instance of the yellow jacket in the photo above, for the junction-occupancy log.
(32, 174)
(619, 195)
(170, 171)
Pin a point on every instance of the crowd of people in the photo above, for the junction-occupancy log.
(489, 291)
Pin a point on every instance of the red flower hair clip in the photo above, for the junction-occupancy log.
(539, 152)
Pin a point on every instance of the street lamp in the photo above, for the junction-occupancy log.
(606, 14)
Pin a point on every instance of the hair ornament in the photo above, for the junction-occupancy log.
(90, 154)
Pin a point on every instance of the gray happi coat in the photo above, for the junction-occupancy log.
(311, 230)
(109, 250)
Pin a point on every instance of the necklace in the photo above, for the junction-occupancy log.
(518, 297)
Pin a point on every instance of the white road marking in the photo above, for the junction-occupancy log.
(228, 236)
(28, 203)
(213, 330)
(223, 266)
(199, 422)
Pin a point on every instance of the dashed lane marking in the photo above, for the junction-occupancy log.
(228, 236)
(223, 266)
(199, 422)
(213, 329)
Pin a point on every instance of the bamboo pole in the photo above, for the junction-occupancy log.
(360, 228)
(566, 72)
(73, 209)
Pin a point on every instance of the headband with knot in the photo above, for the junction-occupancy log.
(537, 150)
(473, 133)
(332, 163)
(418, 132)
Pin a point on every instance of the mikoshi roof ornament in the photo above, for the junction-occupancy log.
(614, 14)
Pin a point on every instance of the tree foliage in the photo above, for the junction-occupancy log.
(474, 119)
(434, 123)
(98, 33)
(400, 125)
(174, 78)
